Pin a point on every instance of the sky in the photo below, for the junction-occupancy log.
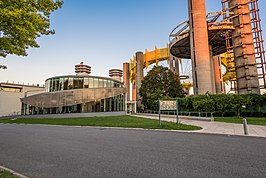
(102, 34)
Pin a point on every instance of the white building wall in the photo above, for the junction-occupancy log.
(10, 101)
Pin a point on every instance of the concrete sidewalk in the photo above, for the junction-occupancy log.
(216, 127)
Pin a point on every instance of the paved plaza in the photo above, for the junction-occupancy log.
(215, 127)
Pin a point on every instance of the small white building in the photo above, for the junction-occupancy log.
(10, 95)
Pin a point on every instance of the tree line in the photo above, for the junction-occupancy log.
(162, 83)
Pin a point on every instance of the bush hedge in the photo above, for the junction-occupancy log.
(222, 105)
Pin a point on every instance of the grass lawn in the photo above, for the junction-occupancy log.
(111, 121)
(250, 120)
(6, 174)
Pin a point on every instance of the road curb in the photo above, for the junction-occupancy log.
(201, 131)
(12, 172)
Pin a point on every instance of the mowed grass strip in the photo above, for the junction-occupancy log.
(250, 120)
(110, 121)
(6, 174)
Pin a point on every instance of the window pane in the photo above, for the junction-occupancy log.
(104, 83)
(47, 85)
(56, 87)
(51, 85)
(86, 83)
(70, 84)
(111, 83)
(65, 83)
(76, 83)
(91, 83)
(100, 83)
(81, 82)
(95, 83)
(61, 83)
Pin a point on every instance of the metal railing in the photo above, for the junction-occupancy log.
(181, 113)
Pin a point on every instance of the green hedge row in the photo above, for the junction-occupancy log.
(249, 105)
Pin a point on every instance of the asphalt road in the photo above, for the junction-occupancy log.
(51, 151)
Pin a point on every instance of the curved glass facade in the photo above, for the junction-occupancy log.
(79, 82)
(89, 94)
(116, 103)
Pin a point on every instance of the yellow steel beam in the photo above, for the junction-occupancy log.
(157, 55)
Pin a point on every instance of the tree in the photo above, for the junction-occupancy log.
(159, 83)
(22, 21)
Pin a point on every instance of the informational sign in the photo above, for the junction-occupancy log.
(168, 105)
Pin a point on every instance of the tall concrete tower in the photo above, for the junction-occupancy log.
(116, 74)
(139, 77)
(243, 47)
(126, 79)
(82, 69)
(202, 65)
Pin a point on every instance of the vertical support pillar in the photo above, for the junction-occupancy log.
(126, 78)
(104, 105)
(174, 64)
(139, 77)
(244, 52)
(219, 86)
(200, 53)
(212, 70)
(134, 96)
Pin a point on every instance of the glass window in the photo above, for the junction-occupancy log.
(91, 83)
(111, 83)
(76, 83)
(95, 83)
(86, 83)
(61, 83)
(56, 87)
(70, 83)
(51, 85)
(65, 83)
(104, 83)
(47, 85)
(100, 83)
(81, 82)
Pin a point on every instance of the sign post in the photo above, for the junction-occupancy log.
(168, 105)
(160, 113)
(177, 121)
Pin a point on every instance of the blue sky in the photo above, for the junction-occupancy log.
(102, 34)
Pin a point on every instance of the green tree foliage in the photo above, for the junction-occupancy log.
(160, 83)
(22, 21)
